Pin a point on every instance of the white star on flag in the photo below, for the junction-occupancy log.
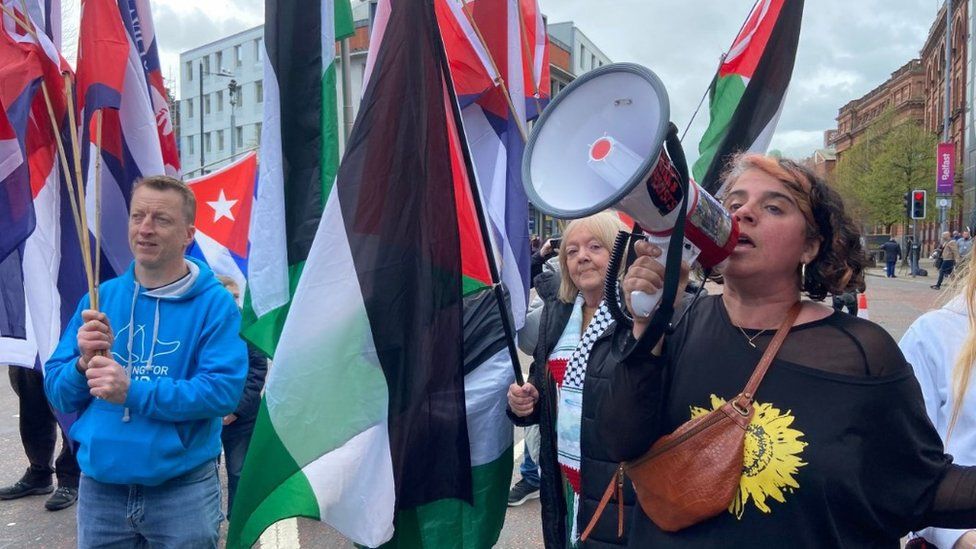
(222, 207)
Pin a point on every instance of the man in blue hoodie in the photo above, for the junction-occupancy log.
(152, 374)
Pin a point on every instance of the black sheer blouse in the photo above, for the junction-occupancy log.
(840, 452)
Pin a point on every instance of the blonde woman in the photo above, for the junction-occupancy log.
(941, 347)
(572, 365)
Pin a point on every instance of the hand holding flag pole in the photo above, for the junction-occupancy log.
(96, 301)
(77, 200)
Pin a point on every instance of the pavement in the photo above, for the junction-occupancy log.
(894, 303)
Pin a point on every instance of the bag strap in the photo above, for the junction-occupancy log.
(616, 485)
(767, 359)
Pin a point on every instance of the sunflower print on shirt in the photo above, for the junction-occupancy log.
(771, 457)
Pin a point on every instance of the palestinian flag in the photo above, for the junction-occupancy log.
(747, 95)
(299, 154)
(364, 422)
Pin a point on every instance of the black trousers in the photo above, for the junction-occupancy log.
(39, 431)
(946, 270)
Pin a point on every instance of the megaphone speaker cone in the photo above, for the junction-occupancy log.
(596, 141)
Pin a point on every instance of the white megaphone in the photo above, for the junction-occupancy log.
(600, 145)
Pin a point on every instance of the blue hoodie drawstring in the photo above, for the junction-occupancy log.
(128, 366)
(152, 347)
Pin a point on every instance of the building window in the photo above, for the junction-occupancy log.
(206, 63)
(239, 136)
(220, 101)
(259, 50)
(189, 108)
(189, 71)
(206, 142)
(220, 140)
(206, 104)
(238, 59)
(219, 58)
(189, 145)
(257, 134)
(593, 62)
(259, 91)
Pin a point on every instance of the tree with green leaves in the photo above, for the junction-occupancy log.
(892, 159)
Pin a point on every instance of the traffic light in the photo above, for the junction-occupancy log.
(918, 204)
(907, 204)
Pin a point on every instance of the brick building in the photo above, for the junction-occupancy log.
(904, 93)
(933, 59)
(916, 92)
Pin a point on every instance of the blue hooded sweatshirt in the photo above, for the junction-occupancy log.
(187, 366)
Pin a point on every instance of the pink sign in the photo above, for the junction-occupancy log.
(945, 168)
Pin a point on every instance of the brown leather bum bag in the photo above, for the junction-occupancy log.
(693, 473)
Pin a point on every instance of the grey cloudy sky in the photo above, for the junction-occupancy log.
(847, 47)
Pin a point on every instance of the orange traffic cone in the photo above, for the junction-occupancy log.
(862, 306)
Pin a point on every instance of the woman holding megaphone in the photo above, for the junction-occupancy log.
(767, 420)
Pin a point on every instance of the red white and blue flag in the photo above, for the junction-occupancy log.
(31, 314)
(224, 201)
(112, 79)
(516, 40)
(139, 23)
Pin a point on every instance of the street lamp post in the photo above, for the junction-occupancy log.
(234, 90)
(226, 74)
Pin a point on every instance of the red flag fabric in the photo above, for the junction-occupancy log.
(748, 47)
(224, 199)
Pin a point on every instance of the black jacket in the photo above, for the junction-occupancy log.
(247, 407)
(597, 469)
(892, 251)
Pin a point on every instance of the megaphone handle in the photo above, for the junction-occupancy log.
(645, 304)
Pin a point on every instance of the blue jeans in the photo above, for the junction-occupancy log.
(183, 512)
(890, 268)
(235, 443)
(528, 469)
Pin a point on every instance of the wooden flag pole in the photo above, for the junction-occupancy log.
(499, 81)
(496, 285)
(98, 209)
(83, 235)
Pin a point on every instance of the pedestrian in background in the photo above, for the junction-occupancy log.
(239, 425)
(965, 244)
(39, 435)
(892, 253)
(914, 252)
(945, 258)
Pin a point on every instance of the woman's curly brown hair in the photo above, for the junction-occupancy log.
(839, 265)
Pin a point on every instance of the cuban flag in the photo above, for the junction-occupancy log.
(517, 43)
(30, 209)
(112, 79)
(224, 201)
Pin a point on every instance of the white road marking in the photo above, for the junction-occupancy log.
(282, 535)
